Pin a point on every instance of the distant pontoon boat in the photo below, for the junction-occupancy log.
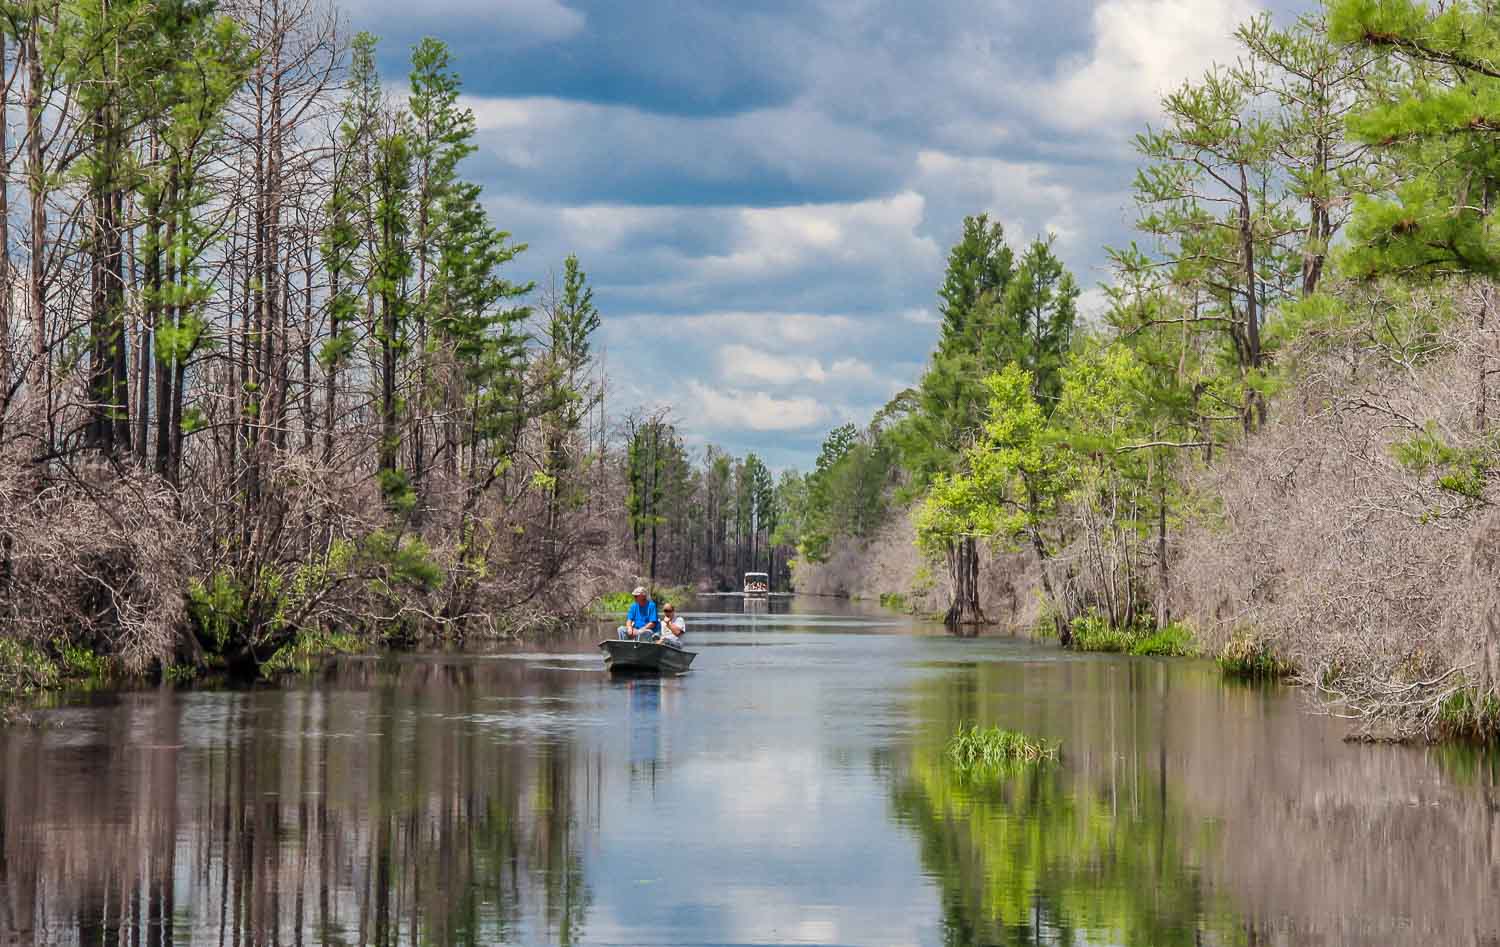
(757, 583)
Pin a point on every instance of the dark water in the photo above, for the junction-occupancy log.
(791, 789)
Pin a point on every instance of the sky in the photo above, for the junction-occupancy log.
(763, 192)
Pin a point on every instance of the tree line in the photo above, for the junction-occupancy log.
(1314, 227)
(263, 373)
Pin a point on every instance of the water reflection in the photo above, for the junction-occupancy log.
(352, 812)
(791, 789)
(1186, 812)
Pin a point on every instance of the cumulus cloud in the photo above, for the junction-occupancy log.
(755, 410)
(1142, 49)
(742, 363)
(763, 195)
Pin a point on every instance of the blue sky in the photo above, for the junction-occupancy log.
(763, 191)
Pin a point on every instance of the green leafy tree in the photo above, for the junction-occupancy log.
(1017, 473)
(1038, 312)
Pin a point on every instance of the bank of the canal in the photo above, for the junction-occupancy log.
(791, 789)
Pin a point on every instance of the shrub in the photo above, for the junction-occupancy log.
(611, 605)
(24, 669)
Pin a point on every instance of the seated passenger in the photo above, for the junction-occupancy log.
(673, 628)
(640, 621)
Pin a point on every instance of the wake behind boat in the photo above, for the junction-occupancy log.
(645, 657)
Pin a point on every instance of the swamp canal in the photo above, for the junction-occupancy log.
(792, 788)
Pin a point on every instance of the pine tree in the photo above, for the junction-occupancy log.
(343, 236)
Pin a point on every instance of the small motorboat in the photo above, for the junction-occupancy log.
(644, 657)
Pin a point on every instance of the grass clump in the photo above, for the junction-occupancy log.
(1467, 716)
(1093, 632)
(975, 750)
(1248, 658)
(1174, 641)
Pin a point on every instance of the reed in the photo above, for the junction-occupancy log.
(976, 749)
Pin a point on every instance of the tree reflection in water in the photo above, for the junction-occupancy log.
(1187, 812)
(349, 812)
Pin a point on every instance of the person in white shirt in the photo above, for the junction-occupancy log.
(672, 627)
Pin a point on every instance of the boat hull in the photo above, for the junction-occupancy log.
(645, 657)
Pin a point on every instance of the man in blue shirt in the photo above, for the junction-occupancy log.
(640, 621)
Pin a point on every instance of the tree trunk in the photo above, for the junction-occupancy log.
(963, 570)
(165, 267)
(5, 269)
(1163, 575)
(1482, 368)
(1255, 407)
(40, 381)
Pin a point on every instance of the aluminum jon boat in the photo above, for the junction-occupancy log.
(645, 657)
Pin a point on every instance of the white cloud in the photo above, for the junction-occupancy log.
(1025, 196)
(777, 329)
(1142, 49)
(756, 410)
(743, 363)
(772, 239)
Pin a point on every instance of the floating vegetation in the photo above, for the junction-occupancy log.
(978, 751)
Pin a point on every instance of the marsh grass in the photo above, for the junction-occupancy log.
(1251, 659)
(1093, 632)
(978, 751)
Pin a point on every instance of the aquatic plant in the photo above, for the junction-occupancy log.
(976, 750)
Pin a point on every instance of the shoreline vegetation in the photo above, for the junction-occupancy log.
(267, 393)
(268, 389)
(1276, 449)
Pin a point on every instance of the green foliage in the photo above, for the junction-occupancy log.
(611, 604)
(1466, 715)
(217, 607)
(986, 752)
(1176, 640)
(24, 669)
(1019, 471)
(846, 494)
(81, 663)
(1093, 632)
(1463, 472)
(1438, 122)
(399, 561)
(307, 650)
(396, 489)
